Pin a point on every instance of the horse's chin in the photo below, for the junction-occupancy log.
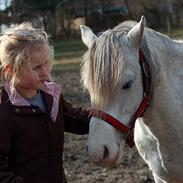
(109, 162)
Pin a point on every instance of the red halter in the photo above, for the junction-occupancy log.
(128, 131)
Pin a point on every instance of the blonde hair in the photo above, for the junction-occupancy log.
(15, 46)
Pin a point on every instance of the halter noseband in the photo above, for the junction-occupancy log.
(147, 84)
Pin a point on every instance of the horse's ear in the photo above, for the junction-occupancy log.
(87, 35)
(136, 33)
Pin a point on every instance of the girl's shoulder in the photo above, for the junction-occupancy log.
(5, 110)
(0, 97)
(1, 90)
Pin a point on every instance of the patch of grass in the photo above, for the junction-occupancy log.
(66, 65)
(175, 33)
(69, 48)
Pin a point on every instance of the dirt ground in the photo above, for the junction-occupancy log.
(78, 166)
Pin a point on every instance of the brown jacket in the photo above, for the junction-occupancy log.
(31, 141)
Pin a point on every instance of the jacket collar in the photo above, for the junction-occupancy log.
(49, 88)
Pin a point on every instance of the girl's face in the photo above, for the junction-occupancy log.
(32, 75)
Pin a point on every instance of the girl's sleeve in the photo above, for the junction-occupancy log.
(76, 119)
(6, 176)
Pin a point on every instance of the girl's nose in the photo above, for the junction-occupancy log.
(44, 71)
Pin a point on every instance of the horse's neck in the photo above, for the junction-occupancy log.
(164, 51)
(167, 101)
(160, 131)
(165, 57)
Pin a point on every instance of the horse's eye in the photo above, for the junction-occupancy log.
(127, 85)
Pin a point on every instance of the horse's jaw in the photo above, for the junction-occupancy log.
(104, 150)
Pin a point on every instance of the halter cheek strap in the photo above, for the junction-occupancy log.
(115, 123)
(147, 84)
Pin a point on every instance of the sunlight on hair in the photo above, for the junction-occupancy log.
(15, 46)
(105, 56)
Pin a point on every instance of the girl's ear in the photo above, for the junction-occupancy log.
(9, 70)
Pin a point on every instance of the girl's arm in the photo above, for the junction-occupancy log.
(76, 119)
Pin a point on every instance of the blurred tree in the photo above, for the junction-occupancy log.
(57, 16)
(44, 10)
(4, 4)
(128, 8)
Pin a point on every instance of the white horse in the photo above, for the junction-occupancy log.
(119, 81)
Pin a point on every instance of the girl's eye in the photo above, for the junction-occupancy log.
(36, 68)
(127, 85)
(47, 62)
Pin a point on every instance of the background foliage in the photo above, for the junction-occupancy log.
(59, 17)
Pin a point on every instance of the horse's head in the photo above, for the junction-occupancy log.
(112, 75)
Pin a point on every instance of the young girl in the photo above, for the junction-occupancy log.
(33, 112)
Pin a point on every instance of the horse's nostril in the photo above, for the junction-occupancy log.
(106, 152)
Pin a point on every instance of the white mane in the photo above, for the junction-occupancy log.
(106, 57)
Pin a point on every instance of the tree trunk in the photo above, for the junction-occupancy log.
(86, 11)
(128, 8)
